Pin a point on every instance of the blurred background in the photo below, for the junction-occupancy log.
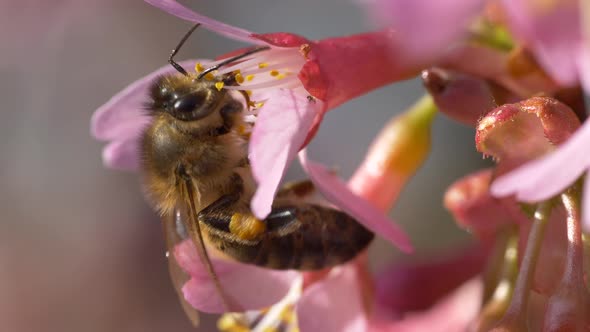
(80, 250)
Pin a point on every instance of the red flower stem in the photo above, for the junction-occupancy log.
(568, 308)
(515, 317)
(574, 272)
(499, 301)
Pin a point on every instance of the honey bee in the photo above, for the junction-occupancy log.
(197, 174)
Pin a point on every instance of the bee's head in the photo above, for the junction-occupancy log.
(185, 98)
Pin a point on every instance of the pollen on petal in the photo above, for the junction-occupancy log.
(219, 85)
(199, 67)
(274, 73)
(262, 65)
(249, 78)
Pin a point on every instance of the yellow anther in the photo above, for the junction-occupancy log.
(246, 227)
(227, 323)
(219, 85)
(288, 316)
(274, 73)
(209, 77)
(199, 67)
(249, 77)
(239, 78)
(262, 65)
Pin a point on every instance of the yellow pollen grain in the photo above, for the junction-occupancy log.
(219, 85)
(259, 105)
(227, 323)
(288, 316)
(281, 76)
(199, 67)
(242, 130)
(270, 329)
(239, 78)
(246, 227)
(274, 73)
(249, 93)
(249, 77)
(209, 77)
(262, 65)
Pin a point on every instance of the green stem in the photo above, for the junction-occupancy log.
(515, 317)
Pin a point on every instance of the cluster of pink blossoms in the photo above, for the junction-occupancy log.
(515, 70)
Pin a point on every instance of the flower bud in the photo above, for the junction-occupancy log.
(463, 98)
(396, 154)
(473, 207)
(516, 133)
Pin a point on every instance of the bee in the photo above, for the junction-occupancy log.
(197, 174)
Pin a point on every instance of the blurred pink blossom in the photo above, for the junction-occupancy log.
(557, 33)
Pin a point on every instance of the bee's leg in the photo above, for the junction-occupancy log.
(230, 214)
(219, 213)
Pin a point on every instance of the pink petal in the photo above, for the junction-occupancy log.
(178, 10)
(367, 214)
(342, 68)
(333, 304)
(427, 27)
(123, 115)
(122, 155)
(249, 286)
(414, 286)
(280, 130)
(453, 313)
(545, 177)
(553, 33)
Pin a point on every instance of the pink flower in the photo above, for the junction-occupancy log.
(332, 71)
(395, 155)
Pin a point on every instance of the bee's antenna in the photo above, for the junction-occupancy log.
(232, 59)
(177, 48)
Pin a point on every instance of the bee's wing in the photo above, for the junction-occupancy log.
(173, 232)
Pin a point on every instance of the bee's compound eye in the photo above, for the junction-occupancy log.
(189, 103)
